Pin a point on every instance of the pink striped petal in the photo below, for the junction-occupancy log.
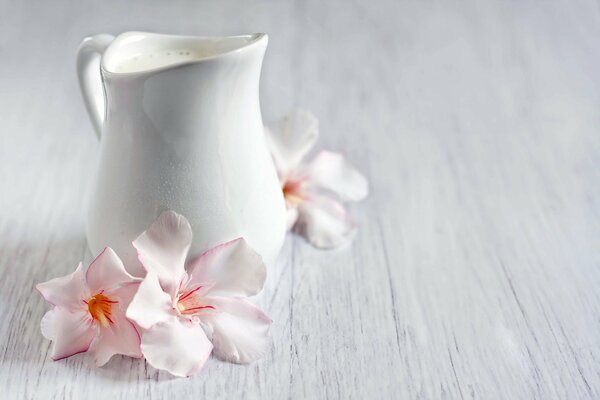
(331, 171)
(239, 330)
(163, 248)
(73, 333)
(68, 291)
(106, 272)
(325, 223)
(150, 305)
(177, 346)
(233, 268)
(121, 336)
(291, 138)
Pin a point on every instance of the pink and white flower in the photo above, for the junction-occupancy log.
(89, 311)
(186, 315)
(321, 219)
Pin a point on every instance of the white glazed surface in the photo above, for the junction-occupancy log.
(184, 132)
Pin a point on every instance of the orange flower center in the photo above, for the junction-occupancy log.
(100, 308)
(189, 302)
(292, 191)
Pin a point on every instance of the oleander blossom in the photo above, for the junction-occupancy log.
(312, 190)
(186, 315)
(89, 311)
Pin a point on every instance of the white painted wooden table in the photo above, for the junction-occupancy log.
(476, 272)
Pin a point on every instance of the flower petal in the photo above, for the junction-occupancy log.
(331, 171)
(325, 223)
(163, 248)
(291, 138)
(150, 305)
(292, 216)
(177, 346)
(73, 333)
(233, 267)
(121, 336)
(125, 293)
(68, 291)
(47, 325)
(106, 272)
(239, 330)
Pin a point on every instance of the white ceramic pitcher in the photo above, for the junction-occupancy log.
(180, 128)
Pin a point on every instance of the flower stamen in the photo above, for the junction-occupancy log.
(292, 191)
(100, 308)
(190, 303)
(188, 294)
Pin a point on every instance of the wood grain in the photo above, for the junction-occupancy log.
(476, 268)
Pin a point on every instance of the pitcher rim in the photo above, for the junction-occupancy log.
(253, 40)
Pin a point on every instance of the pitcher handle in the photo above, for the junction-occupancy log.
(89, 55)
